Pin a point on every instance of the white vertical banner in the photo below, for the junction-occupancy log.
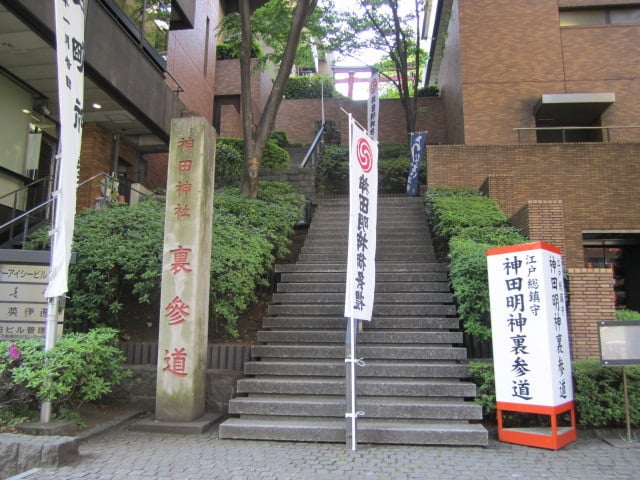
(373, 106)
(70, 21)
(363, 214)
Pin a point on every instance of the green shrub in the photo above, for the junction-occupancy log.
(280, 137)
(450, 214)
(469, 282)
(599, 394)
(429, 91)
(273, 156)
(310, 86)
(394, 150)
(483, 376)
(495, 236)
(82, 367)
(120, 255)
(393, 173)
(228, 165)
(332, 175)
(627, 315)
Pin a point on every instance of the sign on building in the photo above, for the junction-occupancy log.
(530, 337)
(24, 276)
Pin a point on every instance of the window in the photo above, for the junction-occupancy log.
(619, 252)
(150, 20)
(600, 16)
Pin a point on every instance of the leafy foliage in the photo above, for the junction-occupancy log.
(228, 51)
(120, 255)
(429, 91)
(228, 164)
(483, 376)
(310, 86)
(598, 392)
(82, 367)
(452, 212)
(471, 223)
(627, 315)
(274, 156)
(332, 175)
(280, 137)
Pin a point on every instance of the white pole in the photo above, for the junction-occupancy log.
(49, 343)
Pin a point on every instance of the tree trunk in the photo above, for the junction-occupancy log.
(256, 135)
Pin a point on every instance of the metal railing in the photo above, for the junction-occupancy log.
(315, 149)
(605, 130)
(42, 210)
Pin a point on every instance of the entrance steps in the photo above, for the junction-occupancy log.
(411, 389)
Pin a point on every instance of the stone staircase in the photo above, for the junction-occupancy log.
(410, 389)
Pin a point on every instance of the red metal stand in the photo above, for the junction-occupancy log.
(553, 439)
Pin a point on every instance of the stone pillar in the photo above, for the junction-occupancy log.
(184, 307)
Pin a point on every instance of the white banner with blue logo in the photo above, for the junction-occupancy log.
(363, 214)
(418, 141)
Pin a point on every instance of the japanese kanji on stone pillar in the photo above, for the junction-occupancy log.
(184, 307)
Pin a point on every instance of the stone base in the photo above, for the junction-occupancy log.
(199, 425)
(53, 428)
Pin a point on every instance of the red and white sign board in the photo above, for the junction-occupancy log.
(529, 325)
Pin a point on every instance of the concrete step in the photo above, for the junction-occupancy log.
(381, 267)
(380, 298)
(377, 323)
(382, 310)
(403, 278)
(367, 352)
(381, 287)
(373, 368)
(373, 407)
(406, 432)
(366, 386)
(381, 255)
(364, 338)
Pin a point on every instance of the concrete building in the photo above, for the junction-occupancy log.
(146, 62)
(542, 111)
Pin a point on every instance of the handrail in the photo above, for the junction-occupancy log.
(24, 187)
(312, 147)
(601, 128)
(26, 214)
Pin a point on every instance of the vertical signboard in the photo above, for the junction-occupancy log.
(184, 301)
(530, 339)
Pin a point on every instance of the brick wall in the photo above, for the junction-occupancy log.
(298, 118)
(590, 301)
(97, 157)
(598, 184)
(500, 188)
(491, 78)
(187, 63)
(542, 221)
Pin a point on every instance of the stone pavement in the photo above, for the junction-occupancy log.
(125, 454)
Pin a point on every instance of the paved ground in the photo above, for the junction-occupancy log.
(124, 454)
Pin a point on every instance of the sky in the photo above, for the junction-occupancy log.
(367, 57)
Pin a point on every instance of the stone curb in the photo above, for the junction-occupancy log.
(20, 452)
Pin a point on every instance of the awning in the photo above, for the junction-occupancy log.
(560, 109)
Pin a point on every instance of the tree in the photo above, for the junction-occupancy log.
(385, 26)
(283, 28)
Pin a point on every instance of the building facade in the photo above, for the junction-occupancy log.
(542, 111)
(146, 62)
